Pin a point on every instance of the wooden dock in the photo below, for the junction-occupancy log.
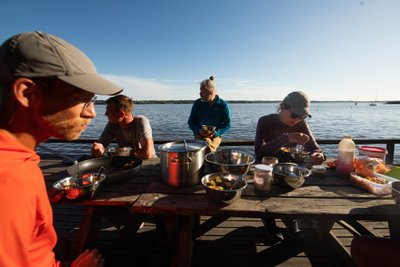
(235, 242)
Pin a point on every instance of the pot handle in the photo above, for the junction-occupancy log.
(182, 159)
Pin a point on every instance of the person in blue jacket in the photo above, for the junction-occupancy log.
(210, 116)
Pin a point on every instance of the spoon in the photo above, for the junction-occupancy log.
(236, 182)
(299, 148)
(95, 178)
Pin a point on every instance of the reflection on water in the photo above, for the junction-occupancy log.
(329, 121)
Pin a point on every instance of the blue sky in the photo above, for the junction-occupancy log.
(256, 49)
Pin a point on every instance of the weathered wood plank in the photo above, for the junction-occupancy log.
(240, 240)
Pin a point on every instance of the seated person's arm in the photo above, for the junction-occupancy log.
(98, 149)
(206, 133)
(106, 137)
(317, 157)
(147, 150)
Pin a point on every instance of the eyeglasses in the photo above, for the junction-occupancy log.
(83, 100)
(86, 102)
(295, 116)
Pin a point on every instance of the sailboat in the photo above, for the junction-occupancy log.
(376, 98)
(356, 103)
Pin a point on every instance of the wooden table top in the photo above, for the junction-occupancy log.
(328, 197)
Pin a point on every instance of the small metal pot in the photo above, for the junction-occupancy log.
(289, 174)
(182, 162)
(119, 151)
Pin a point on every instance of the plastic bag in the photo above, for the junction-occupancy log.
(379, 187)
(367, 166)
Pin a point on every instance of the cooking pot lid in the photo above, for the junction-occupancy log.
(180, 146)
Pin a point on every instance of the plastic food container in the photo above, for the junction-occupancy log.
(373, 151)
(263, 178)
(379, 189)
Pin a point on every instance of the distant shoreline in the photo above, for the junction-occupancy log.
(102, 102)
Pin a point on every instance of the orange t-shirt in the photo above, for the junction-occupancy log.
(27, 235)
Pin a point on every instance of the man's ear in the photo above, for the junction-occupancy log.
(24, 89)
(121, 114)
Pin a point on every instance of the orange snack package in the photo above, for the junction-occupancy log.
(367, 166)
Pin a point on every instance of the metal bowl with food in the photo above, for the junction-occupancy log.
(79, 187)
(290, 174)
(230, 161)
(119, 151)
(296, 155)
(223, 187)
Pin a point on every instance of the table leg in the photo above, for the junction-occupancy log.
(323, 227)
(394, 228)
(88, 230)
(183, 252)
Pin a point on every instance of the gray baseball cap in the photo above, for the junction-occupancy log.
(38, 54)
(298, 102)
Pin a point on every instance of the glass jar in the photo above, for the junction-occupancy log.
(262, 178)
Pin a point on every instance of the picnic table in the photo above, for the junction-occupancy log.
(324, 201)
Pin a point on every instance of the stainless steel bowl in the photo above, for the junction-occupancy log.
(224, 196)
(209, 128)
(230, 161)
(80, 187)
(119, 151)
(290, 174)
(395, 191)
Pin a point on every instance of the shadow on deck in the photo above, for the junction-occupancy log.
(235, 242)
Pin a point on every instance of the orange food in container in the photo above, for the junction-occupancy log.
(367, 166)
(374, 185)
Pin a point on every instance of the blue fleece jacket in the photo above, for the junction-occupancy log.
(216, 115)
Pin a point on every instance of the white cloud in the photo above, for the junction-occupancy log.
(152, 89)
(238, 89)
(169, 89)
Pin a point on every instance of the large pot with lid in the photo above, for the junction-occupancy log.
(182, 162)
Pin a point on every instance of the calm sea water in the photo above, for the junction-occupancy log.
(329, 121)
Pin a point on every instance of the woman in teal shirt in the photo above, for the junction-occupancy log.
(209, 110)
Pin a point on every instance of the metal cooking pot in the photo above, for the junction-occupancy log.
(182, 162)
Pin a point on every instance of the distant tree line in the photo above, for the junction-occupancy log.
(187, 101)
(102, 102)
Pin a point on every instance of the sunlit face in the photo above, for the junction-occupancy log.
(205, 95)
(63, 111)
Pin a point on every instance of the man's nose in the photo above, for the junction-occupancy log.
(90, 111)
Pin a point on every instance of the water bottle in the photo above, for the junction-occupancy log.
(346, 150)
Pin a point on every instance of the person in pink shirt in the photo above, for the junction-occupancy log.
(47, 89)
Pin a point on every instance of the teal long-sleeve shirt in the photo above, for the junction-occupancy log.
(217, 115)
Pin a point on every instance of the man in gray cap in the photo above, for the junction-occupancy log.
(47, 89)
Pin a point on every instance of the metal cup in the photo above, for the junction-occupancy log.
(269, 160)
